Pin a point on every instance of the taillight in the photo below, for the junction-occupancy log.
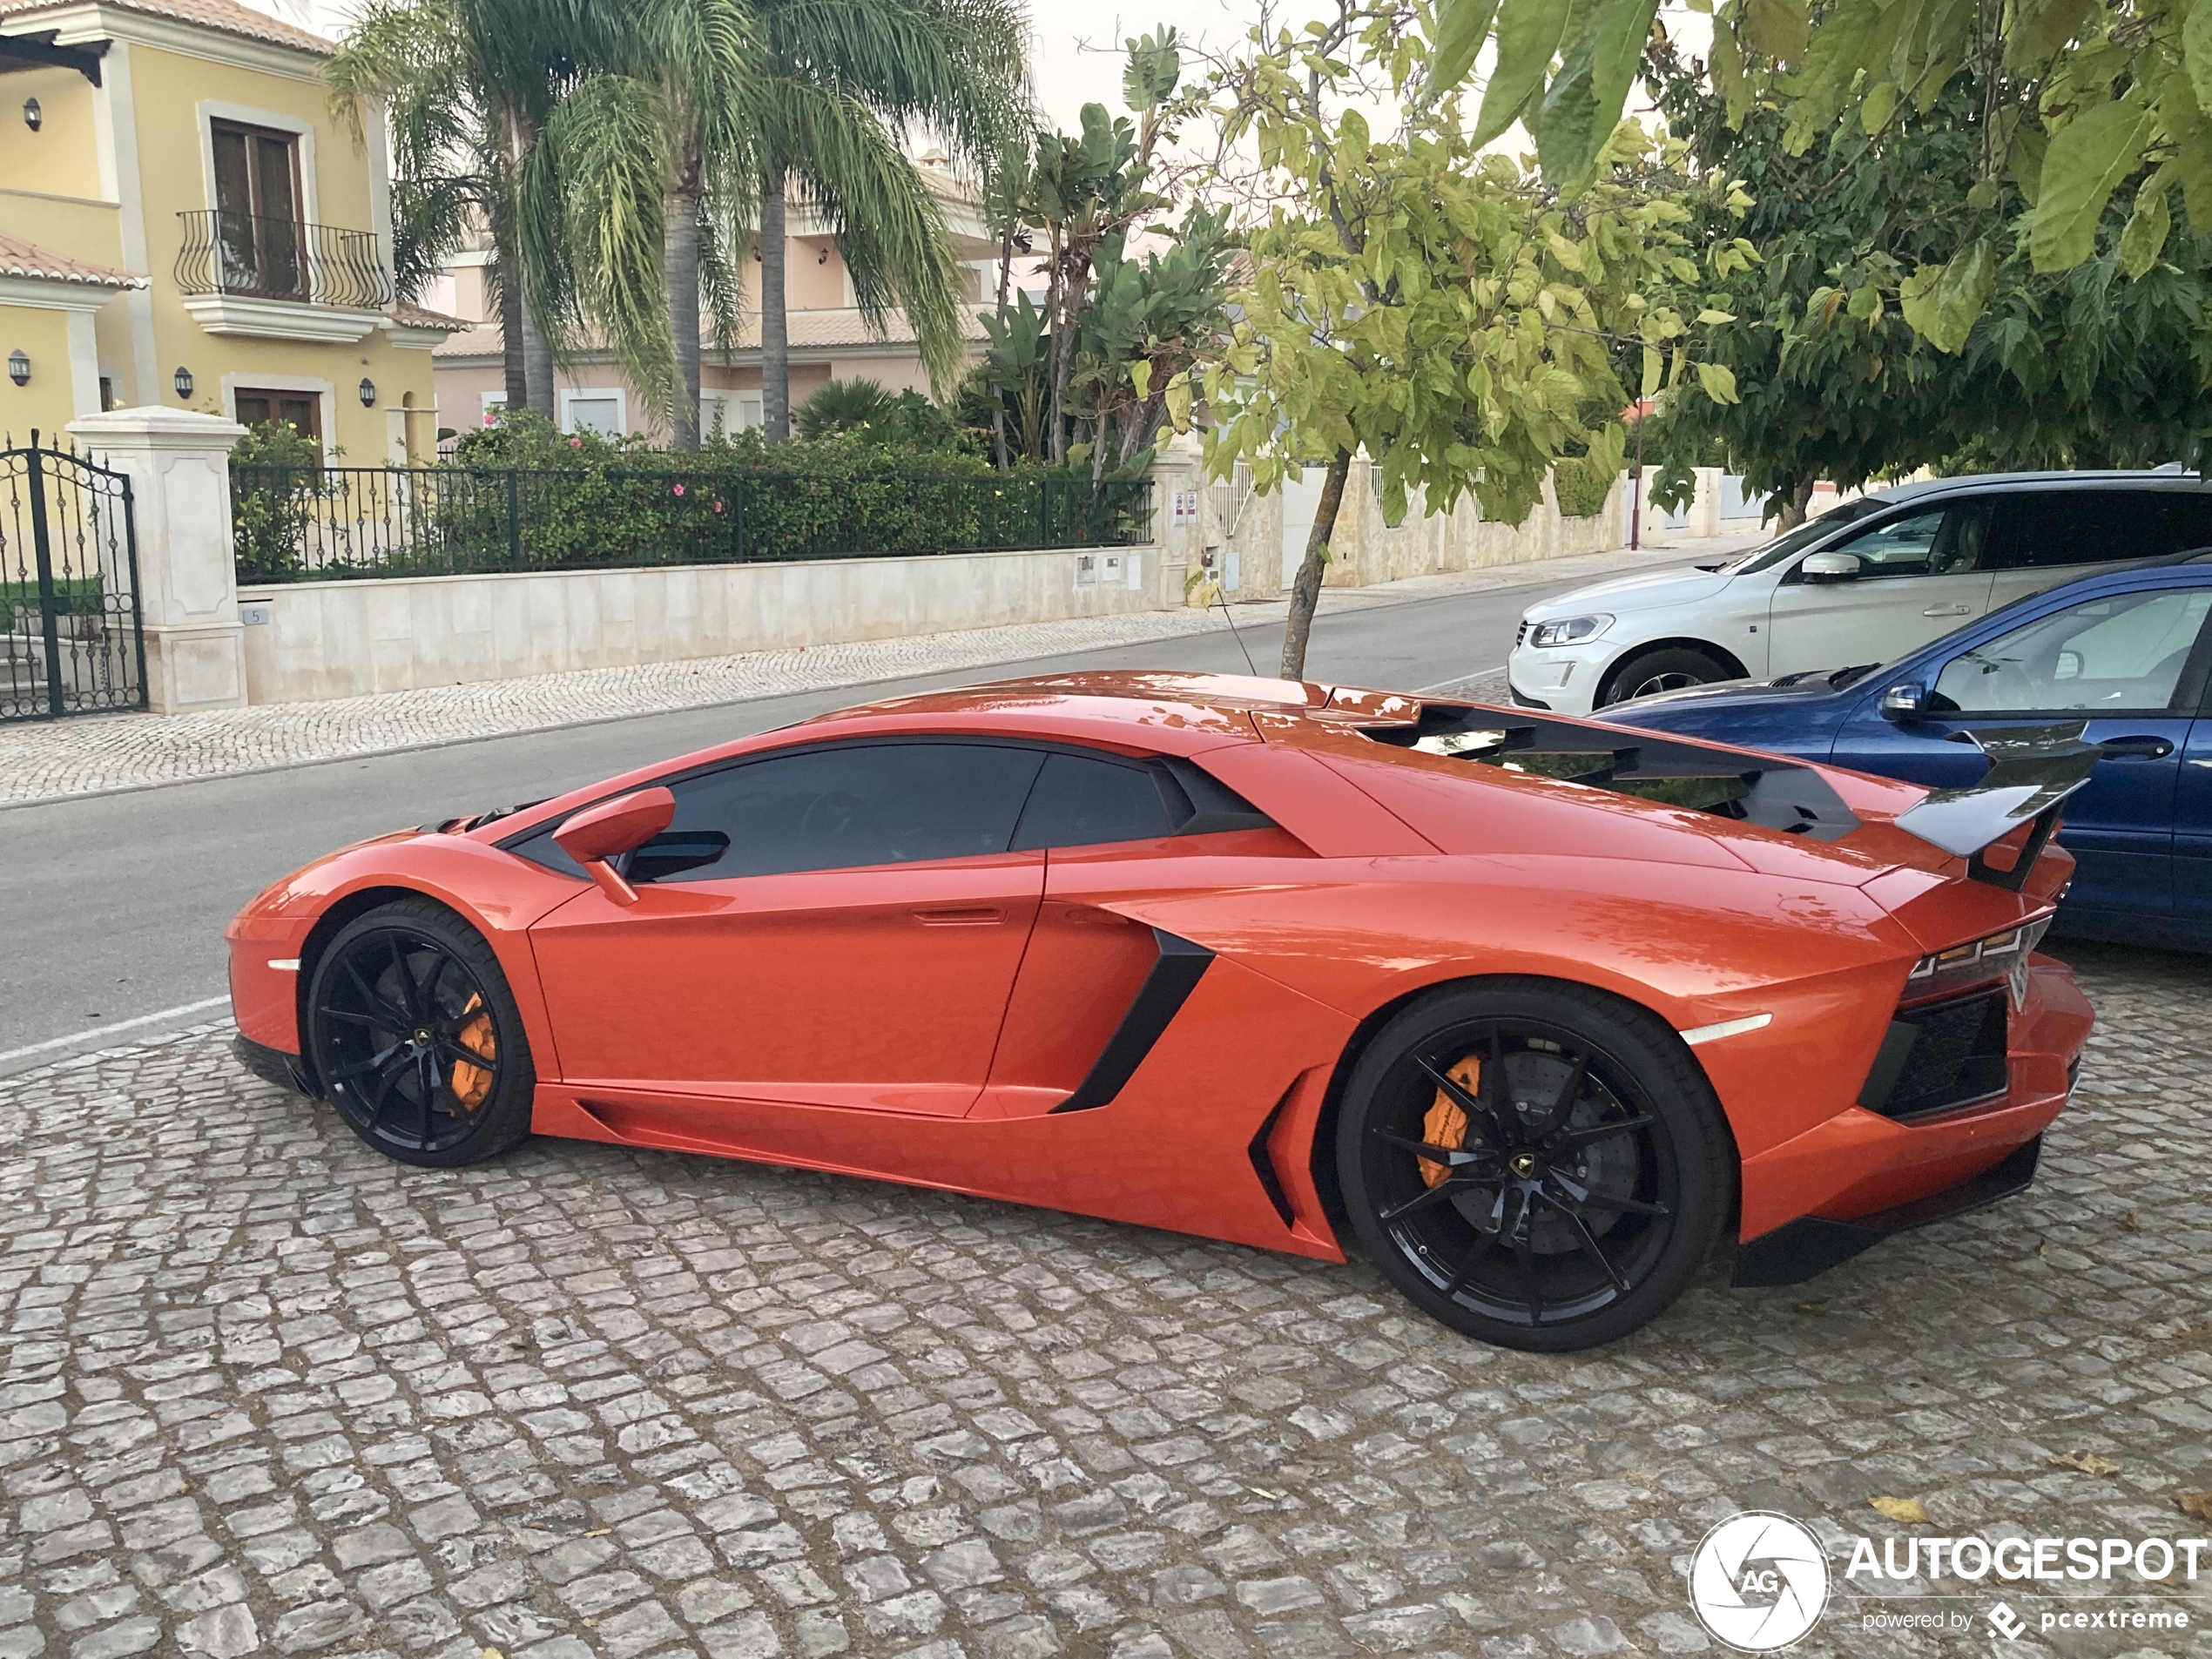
(1976, 962)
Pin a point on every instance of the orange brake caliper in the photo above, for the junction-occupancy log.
(1446, 1125)
(472, 1084)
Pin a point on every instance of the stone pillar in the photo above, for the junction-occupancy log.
(1175, 473)
(178, 465)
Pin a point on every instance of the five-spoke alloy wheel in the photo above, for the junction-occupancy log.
(1537, 1164)
(415, 1037)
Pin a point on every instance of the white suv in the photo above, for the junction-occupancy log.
(1868, 582)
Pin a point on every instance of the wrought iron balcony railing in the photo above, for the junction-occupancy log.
(260, 258)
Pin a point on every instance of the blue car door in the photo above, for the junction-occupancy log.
(2192, 825)
(2117, 661)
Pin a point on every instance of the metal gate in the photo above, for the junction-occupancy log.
(69, 587)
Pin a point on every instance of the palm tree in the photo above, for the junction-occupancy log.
(848, 83)
(468, 86)
(654, 143)
(697, 113)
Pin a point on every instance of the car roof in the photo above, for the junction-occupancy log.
(1923, 489)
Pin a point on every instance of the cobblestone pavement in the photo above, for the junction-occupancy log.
(267, 1392)
(47, 761)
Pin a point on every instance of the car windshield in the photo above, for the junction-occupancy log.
(1761, 558)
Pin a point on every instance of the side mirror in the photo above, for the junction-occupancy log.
(612, 828)
(1905, 702)
(1830, 567)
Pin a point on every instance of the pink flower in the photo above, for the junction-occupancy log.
(679, 489)
(718, 507)
(576, 443)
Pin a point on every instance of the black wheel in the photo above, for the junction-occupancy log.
(414, 1035)
(1536, 1165)
(1669, 669)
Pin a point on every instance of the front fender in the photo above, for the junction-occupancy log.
(497, 893)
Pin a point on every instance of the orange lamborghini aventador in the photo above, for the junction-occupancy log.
(1532, 1009)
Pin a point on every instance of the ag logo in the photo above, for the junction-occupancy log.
(1758, 1581)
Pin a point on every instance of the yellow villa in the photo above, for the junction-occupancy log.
(185, 222)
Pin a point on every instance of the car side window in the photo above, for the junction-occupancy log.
(1087, 800)
(2123, 652)
(2055, 529)
(1944, 540)
(841, 807)
(2188, 516)
(1080, 801)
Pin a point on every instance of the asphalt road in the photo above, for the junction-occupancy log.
(113, 907)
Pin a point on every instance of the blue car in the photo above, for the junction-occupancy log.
(2129, 651)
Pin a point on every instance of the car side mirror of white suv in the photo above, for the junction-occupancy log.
(1830, 567)
(1905, 702)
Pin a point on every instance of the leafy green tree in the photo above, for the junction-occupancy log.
(2083, 104)
(1851, 370)
(467, 87)
(1141, 336)
(1431, 308)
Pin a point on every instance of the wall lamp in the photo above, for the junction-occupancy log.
(33, 116)
(183, 382)
(368, 392)
(19, 366)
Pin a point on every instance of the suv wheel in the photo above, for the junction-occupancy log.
(1670, 668)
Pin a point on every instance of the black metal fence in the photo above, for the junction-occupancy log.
(263, 258)
(70, 637)
(319, 525)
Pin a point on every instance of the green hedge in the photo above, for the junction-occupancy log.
(1582, 488)
(522, 497)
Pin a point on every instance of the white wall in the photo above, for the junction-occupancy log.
(324, 639)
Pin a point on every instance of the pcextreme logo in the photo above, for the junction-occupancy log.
(1758, 1581)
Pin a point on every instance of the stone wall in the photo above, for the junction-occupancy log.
(1243, 533)
(309, 640)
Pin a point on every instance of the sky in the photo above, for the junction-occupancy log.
(1076, 45)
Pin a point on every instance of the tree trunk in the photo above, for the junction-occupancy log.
(680, 262)
(510, 322)
(516, 136)
(998, 398)
(775, 331)
(537, 365)
(1305, 592)
(1793, 507)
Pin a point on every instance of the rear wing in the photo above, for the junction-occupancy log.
(2032, 771)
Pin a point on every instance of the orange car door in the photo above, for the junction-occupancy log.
(1096, 989)
(839, 925)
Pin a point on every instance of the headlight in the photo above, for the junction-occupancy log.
(1977, 962)
(1567, 631)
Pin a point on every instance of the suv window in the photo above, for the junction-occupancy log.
(2053, 529)
(1941, 541)
(2123, 652)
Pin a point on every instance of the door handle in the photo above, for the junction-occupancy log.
(2135, 748)
(1948, 611)
(960, 916)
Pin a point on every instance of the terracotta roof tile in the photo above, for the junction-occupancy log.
(20, 257)
(414, 316)
(224, 15)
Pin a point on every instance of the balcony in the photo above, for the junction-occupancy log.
(279, 279)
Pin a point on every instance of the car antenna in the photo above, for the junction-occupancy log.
(1222, 599)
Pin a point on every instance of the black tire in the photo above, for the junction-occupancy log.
(1579, 1214)
(1670, 668)
(415, 1039)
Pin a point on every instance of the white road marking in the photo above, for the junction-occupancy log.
(120, 1025)
(1453, 684)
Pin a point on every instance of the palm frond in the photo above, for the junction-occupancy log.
(889, 226)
